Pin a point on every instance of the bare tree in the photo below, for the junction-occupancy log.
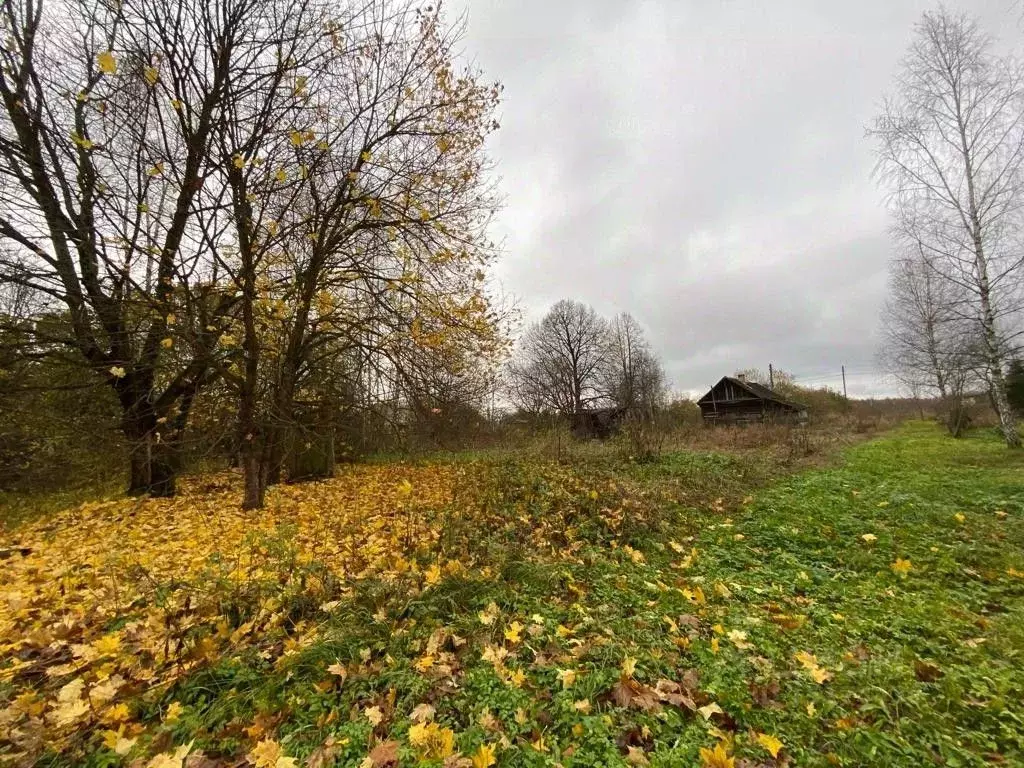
(928, 346)
(633, 377)
(951, 150)
(560, 361)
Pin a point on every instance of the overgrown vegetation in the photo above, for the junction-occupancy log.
(518, 612)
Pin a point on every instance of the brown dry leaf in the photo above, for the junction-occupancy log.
(765, 695)
(926, 671)
(323, 756)
(385, 754)
(630, 693)
(675, 694)
(422, 713)
(201, 760)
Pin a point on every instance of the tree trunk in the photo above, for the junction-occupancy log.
(153, 466)
(255, 487)
(1007, 423)
(988, 318)
(278, 436)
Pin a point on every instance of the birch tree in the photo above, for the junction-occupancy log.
(927, 345)
(633, 377)
(951, 153)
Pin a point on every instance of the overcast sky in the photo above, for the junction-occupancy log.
(703, 166)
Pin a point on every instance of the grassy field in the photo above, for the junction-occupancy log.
(701, 610)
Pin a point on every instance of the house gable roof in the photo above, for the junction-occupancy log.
(756, 390)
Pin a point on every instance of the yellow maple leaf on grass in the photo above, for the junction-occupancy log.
(432, 576)
(116, 741)
(489, 614)
(268, 754)
(431, 740)
(810, 662)
(718, 757)
(901, 567)
(514, 632)
(769, 742)
(175, 759)
(484, 757)
(628, 666)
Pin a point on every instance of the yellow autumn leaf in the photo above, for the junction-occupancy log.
(68, 712)
(151, 74)
(628, 666)
(716, 758)
(175, 759)
(710, 709)
(769, 742)
(432, 576)
(432, 741)
(739, 638)
(81, 141)
(901, 567)
(107, 63)
(266, 754)
(485, 757)
(820, 676)
(514, 632)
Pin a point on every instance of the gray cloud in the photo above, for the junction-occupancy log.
(704, 167)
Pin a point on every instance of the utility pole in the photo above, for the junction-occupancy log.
(771, 377)
(844, 382)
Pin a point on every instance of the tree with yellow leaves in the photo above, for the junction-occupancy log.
(107, 119)
(359, 204)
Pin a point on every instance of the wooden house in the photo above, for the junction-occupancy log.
(737, 401)
(600, 423)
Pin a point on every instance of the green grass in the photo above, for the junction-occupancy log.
(926, 668)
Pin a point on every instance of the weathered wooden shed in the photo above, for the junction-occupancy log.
(601, 423)
(736, 401)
